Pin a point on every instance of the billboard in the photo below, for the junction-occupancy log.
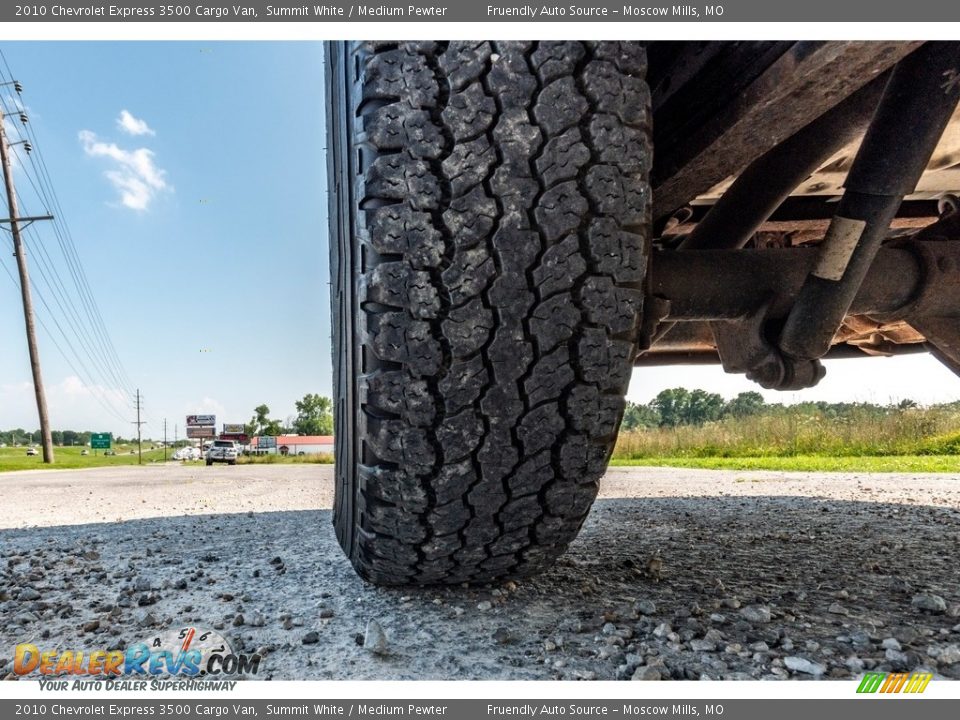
(201, 431)
(231, 428)
(266, 441)
(201, 419)
(100, 441)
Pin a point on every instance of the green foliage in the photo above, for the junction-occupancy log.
(749, 428)
(311, 459)
(69, 457)
(679, 406)
(744, 404)
(314, 415)
(261, 424)
(809, 463)
(61, 438)
(636, 417)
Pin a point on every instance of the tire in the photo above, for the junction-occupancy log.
(489, 224)
(209, 463)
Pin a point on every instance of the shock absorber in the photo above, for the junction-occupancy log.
(916, 106)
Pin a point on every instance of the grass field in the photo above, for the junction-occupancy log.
(911, 440)
(70, 457)
(315, 459)
(807, 463)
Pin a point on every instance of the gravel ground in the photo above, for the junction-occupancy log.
(677, 574)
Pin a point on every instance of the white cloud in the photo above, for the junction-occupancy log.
(135, 175)
(133, 125)
(72, 405)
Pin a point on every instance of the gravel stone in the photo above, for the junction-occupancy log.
(647, 672)
(662, 630)
(802, 665)
(645, 607)
(375, 639)
(702, 645)
(551, 625)
(756, 614)
(929, 602)
(949, 655)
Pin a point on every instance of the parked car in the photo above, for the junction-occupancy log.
(223, 451)
(187, 453)
(84, 452)
(32, 451)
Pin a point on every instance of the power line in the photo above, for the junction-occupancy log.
(53, 339)
(97, 345)
(75, 269)
(46, 437)
(43, 186)
(44, 266)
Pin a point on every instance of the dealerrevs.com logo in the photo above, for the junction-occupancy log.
(186, 652)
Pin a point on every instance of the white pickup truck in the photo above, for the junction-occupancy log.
(225, 451)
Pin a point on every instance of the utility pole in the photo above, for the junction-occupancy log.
(164, 439)
(138, 423)
(45, 436)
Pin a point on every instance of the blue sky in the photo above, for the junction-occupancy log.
(220, 245)
(192, 178)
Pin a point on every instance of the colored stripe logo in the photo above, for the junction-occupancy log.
(894, 682)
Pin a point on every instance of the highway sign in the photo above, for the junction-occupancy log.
(201, 431)
(201, 419)
(100, 441)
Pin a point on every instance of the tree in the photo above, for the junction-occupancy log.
(744, 404)
(703, 407)
(671, 406)
(314, 415)
(261, 424)
(637, 417)
(679, 406)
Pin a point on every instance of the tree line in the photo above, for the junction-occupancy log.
(314, 417)
(670, 408)
(680, 406)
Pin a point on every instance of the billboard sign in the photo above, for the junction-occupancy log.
(201, 431)
(265, 442)
(232, 428)
(100, 441)
(201, 419)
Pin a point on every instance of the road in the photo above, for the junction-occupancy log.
(764, 575)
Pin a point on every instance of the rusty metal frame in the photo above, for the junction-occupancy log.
(801, 84)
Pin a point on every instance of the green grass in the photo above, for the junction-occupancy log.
(315, 459)
(859, 440)
(70, 457)
(806, 463)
